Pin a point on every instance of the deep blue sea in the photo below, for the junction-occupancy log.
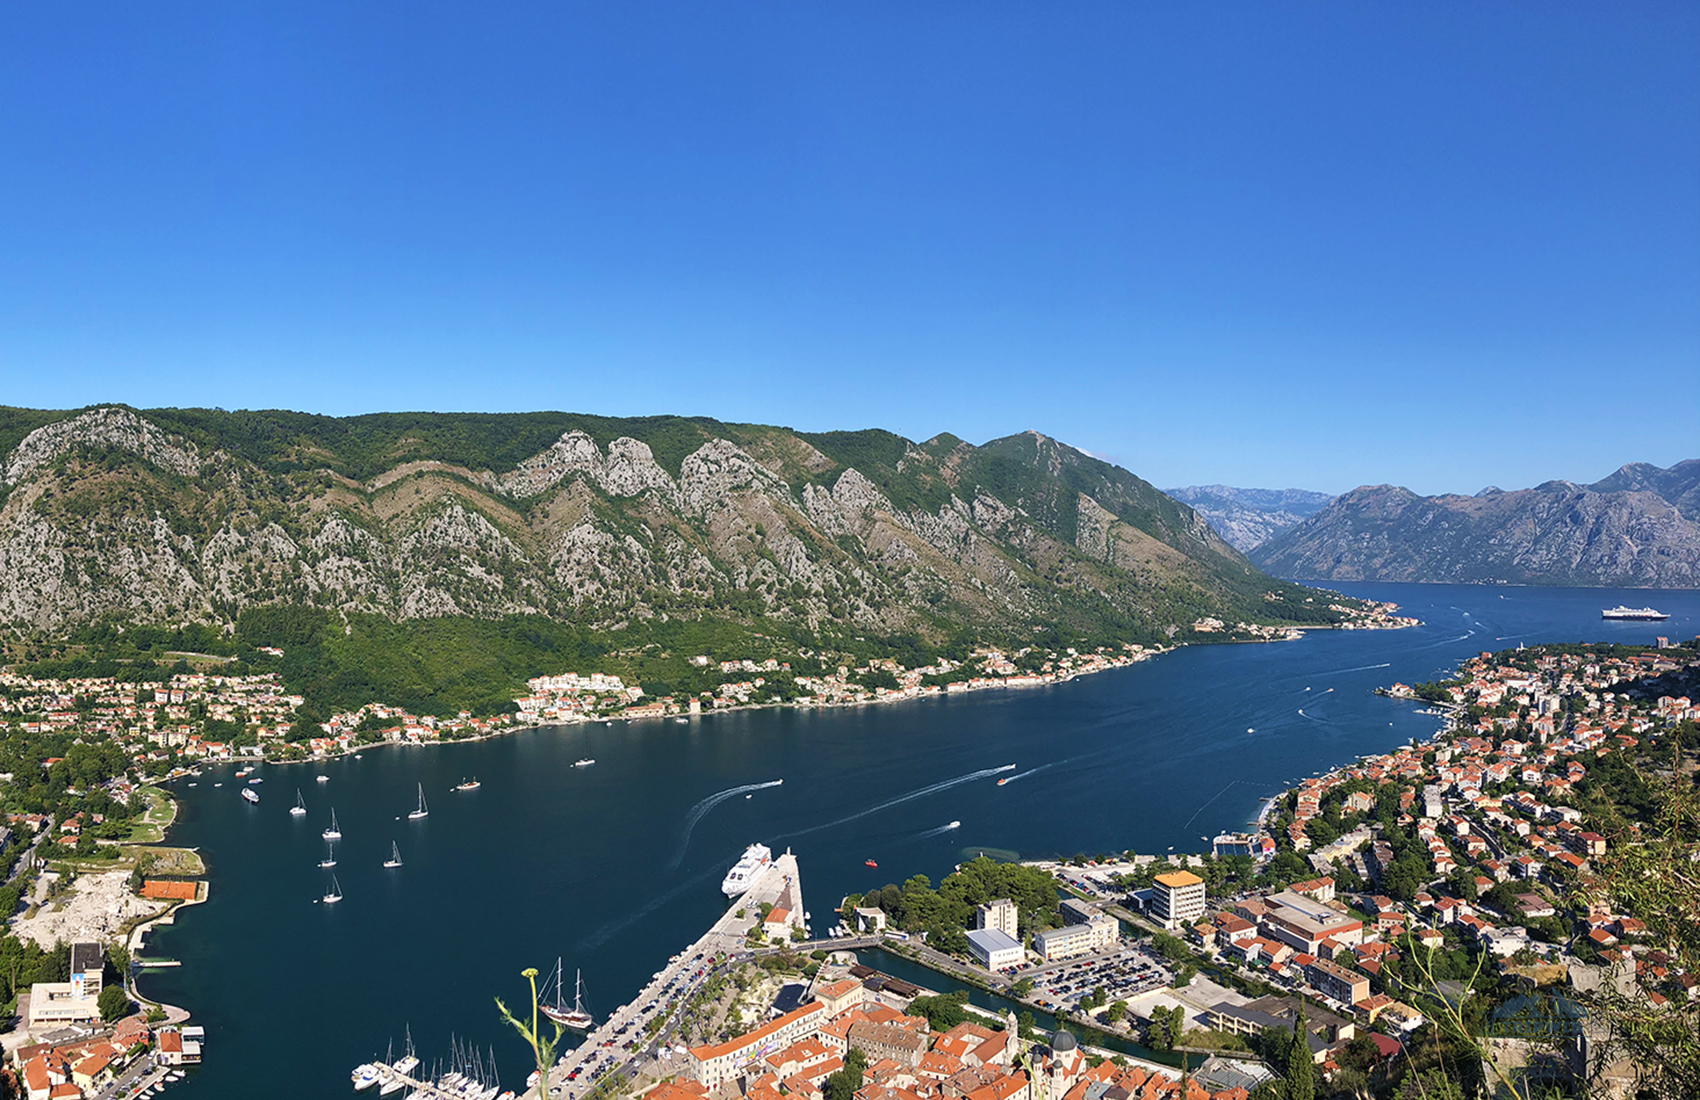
(617, 866)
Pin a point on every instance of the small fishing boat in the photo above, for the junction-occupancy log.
(300, 807)
(421, 811)
(323, 778)
(332, 833)
(394, 861)
(256, 779)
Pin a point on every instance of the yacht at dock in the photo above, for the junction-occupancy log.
(756, 857)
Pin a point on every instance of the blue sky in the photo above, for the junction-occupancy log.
(1300, 244)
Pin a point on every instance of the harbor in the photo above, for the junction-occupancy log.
(768, 912)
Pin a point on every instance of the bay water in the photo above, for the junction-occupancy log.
(615, 866)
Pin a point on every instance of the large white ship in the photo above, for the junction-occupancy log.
(739, 878)
(1637, 614)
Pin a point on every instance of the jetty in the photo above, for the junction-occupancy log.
(603, 1052)
(779, 885)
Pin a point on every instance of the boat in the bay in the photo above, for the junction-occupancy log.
(756, 857)
(330, 856)
(1633, 614)
(574, 1018)
(332, 833)
(468, 785)
(323, 778)
(334, 894)
(409, 1061)
(869, 863)
(585, 763)
(249, 794)
(364, 1077)
(420, 811)
(300, 807)
(395, 858)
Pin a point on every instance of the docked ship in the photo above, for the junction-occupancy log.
(744, 872)
(1634, 614)
(574, 1018)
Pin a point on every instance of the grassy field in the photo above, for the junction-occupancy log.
(170, 862)
(150, 827)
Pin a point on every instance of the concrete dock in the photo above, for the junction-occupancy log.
(603, 1051)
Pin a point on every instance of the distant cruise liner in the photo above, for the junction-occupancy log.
(738, 879)
(1639, 614)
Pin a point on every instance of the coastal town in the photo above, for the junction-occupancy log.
(1476, 848)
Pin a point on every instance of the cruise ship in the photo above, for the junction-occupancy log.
(1634, 614)
(739, 878)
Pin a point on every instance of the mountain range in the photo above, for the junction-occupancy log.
(1248, 518)
(112, 514)
(1639, 527)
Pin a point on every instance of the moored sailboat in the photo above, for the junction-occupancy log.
(332, 833)
(300, 807)
(395, 855)
(574, 1018)
(334, 894)
(421, 811)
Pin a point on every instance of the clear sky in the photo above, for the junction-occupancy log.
(1294, 244)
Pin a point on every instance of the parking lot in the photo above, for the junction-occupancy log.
(1124, 974)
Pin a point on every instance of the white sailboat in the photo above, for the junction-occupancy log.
(332, 833)
(330, 855)
(421, 811)
(335, 892)
(574, 1018)
(395, 856)
(300, 807)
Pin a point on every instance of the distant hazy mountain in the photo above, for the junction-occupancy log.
(1248, 518)
(1640, 527)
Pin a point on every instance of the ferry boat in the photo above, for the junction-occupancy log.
(300, 807)
(585, 763)
(249, 794)
(468, 785)
(1634, 614)
(574, 1018)
(743, 873)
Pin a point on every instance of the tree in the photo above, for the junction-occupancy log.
(844, 1084)
(113, 1002)
(1116, 1011)
(1301, 1069)
(1022, 989)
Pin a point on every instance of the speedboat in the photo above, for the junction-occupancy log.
(324, 778)
(249, 794)
(870, 863)
(585, 763)
(364, 1077)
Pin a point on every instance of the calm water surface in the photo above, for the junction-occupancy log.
(617, 866)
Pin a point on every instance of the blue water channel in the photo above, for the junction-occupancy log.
(616, 866)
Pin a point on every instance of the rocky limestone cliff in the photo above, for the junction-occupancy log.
(192, 515)
(1248, 518)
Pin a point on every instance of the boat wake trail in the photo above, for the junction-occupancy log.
(910, 797)
(940, 831)
(1022, 775)
(1360, 668)
(700, 810)
(1313, 717)
(606, 932)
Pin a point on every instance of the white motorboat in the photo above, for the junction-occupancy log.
(364, 1077)
(585, 763)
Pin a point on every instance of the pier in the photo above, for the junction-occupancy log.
(603, 1051)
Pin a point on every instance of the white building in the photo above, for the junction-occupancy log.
(1178, 898)
(1001, 915)
(995, 949)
